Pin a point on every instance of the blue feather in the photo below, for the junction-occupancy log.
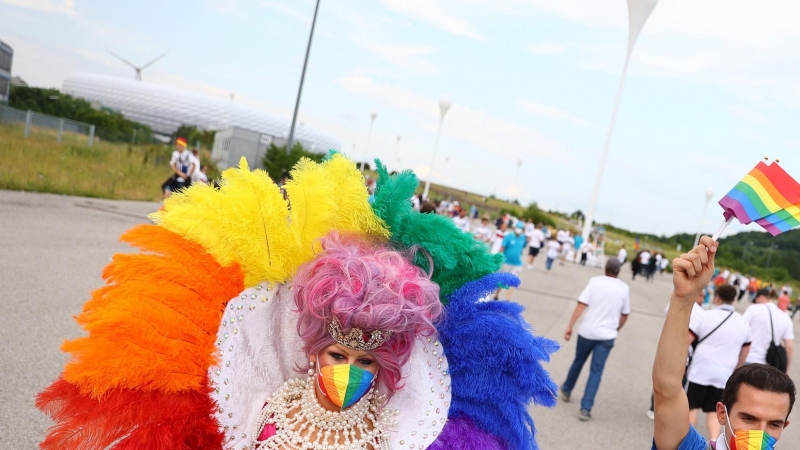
(495, 362)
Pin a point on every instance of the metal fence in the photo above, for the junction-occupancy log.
(34, 122)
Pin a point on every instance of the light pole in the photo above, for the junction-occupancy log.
(516, 174)
(444, 105)
(769, 257)
(397, 153)
(709, 194)
(290, 139)
(746, 246)
(444, 168)
(638, 12)
(372, 117)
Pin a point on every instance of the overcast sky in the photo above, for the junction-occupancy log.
(713, 86)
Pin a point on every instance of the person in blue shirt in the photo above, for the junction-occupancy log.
(757, 398)
(513, 246)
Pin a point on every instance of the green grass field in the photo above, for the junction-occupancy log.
(106, 170)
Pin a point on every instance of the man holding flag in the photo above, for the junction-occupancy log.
(757, 398)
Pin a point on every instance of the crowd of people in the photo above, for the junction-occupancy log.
(519, 240)
(732, 361)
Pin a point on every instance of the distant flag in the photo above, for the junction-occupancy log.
(636, 243)
(768, 196)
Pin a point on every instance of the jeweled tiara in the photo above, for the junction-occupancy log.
(356, 339)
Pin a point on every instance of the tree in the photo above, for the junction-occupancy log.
(277, 162)
(577, 215)
(110, 125)
(193, 134)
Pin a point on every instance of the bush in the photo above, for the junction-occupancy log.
(277, 162)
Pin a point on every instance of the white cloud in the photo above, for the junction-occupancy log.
(542, 110)
(301, 17)
(747, 114)
(476, 127)
(435, 15)
(546, 49)
(47, 6)
(403, 56)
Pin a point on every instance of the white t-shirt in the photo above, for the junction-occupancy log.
(415, 202)
(585, 248)
(536, 238)
(497, 244)
(182, 161)
(607, 298)
(529, 227)
(644, 258)
(622, 255)
(199, 177)
(462, 223)
(694, 318)
(716, 358)
(195, 176)
(744, 282)
(757, 316)
(553, 248)
(482, 233)
(664, 263)
(561, 235)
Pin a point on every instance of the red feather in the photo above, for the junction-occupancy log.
(129, 419)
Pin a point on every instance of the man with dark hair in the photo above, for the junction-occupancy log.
(757, 399)
(721, 339)
(608, 303)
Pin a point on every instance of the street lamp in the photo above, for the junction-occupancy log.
(746, 246)
(444, 168)
(290, 140)
(709, 194)
(638, 12)
(769, 257)
(444, 105)
(397, 153)
(372, 117)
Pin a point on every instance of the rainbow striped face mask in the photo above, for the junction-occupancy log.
(749, 439)
(344, 384)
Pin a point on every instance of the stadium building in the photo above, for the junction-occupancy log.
(6, 58)
(164, 109)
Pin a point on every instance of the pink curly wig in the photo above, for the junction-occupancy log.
(369, 286)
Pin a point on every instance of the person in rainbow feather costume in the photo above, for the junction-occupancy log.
(169, 361)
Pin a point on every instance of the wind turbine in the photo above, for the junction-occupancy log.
(137, 69)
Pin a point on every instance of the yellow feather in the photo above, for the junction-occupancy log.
(353, 211)
(247, 220)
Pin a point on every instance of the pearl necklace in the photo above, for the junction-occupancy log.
(359, 427)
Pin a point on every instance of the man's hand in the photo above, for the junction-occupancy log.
(692, 271)
(568, 334)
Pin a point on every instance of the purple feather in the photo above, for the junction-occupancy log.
(461, 434)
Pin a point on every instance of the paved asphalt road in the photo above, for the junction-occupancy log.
(53, 249)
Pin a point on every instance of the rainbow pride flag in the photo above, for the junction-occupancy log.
(768, 196)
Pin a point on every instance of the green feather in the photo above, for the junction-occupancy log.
(457, 257)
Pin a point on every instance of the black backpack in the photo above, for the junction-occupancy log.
(776, 354)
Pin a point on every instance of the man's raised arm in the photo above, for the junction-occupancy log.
(691, 273)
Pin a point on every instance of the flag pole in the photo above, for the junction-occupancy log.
(722, 228)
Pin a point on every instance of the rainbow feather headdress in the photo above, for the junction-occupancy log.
(144, 376)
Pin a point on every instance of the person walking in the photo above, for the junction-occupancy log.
(513, 246)
(499, 235)
(607, 303)
(535, 243)
(768, 325)
(622, 255)
(483, 233)
(553, 250)
(757, 398)
(462, 221)
(722, 340)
